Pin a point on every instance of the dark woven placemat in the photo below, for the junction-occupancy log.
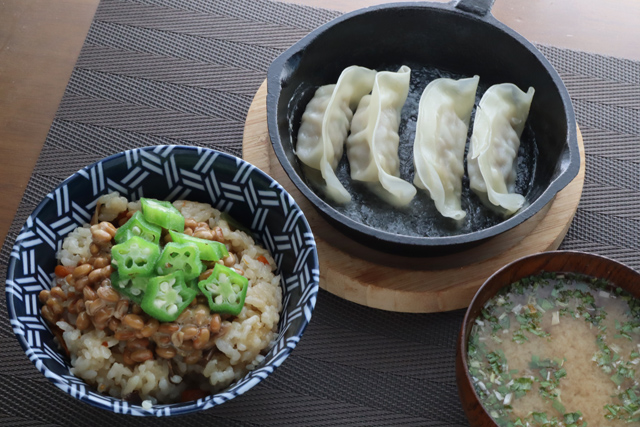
(184, 72)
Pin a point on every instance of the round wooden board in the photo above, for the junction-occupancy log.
(413, 285)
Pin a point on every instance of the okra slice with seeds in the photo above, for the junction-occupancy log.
(135, 258)
(163, 214)
(132, 288)
(138, 226)
(167, 296)
(183, 257)
(210, 250)
(225, 290)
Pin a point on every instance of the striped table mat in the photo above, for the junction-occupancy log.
(184, 72)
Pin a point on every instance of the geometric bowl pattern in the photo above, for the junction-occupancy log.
(167, 172)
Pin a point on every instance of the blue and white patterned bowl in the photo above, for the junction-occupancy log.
(169, 173)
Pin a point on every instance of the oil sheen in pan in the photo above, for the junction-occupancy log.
(421, 218)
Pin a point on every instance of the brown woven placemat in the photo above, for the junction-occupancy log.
(184, 72)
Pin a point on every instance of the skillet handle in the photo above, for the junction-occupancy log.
(477, 7)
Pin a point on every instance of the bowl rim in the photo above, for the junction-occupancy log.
(425, 242)
(121, 406)
(462, 341)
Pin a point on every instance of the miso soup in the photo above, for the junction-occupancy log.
(558, 350)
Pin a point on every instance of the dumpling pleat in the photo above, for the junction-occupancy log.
(492, 159)
(325, 125)
(441, 135)
(372, 147)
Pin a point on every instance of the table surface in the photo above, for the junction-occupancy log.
(40, 41)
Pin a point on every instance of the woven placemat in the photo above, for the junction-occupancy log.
(184, 72)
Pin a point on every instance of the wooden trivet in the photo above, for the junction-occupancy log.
(413, 285)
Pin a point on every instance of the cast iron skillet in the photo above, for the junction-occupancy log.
(460, 37)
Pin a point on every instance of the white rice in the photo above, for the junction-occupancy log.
(75, 247)
(112, 205)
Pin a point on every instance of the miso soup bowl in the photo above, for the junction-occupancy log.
(555, 262)
(460, 37)
(167, 172)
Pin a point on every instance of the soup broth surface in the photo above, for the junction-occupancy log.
(558, 350)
